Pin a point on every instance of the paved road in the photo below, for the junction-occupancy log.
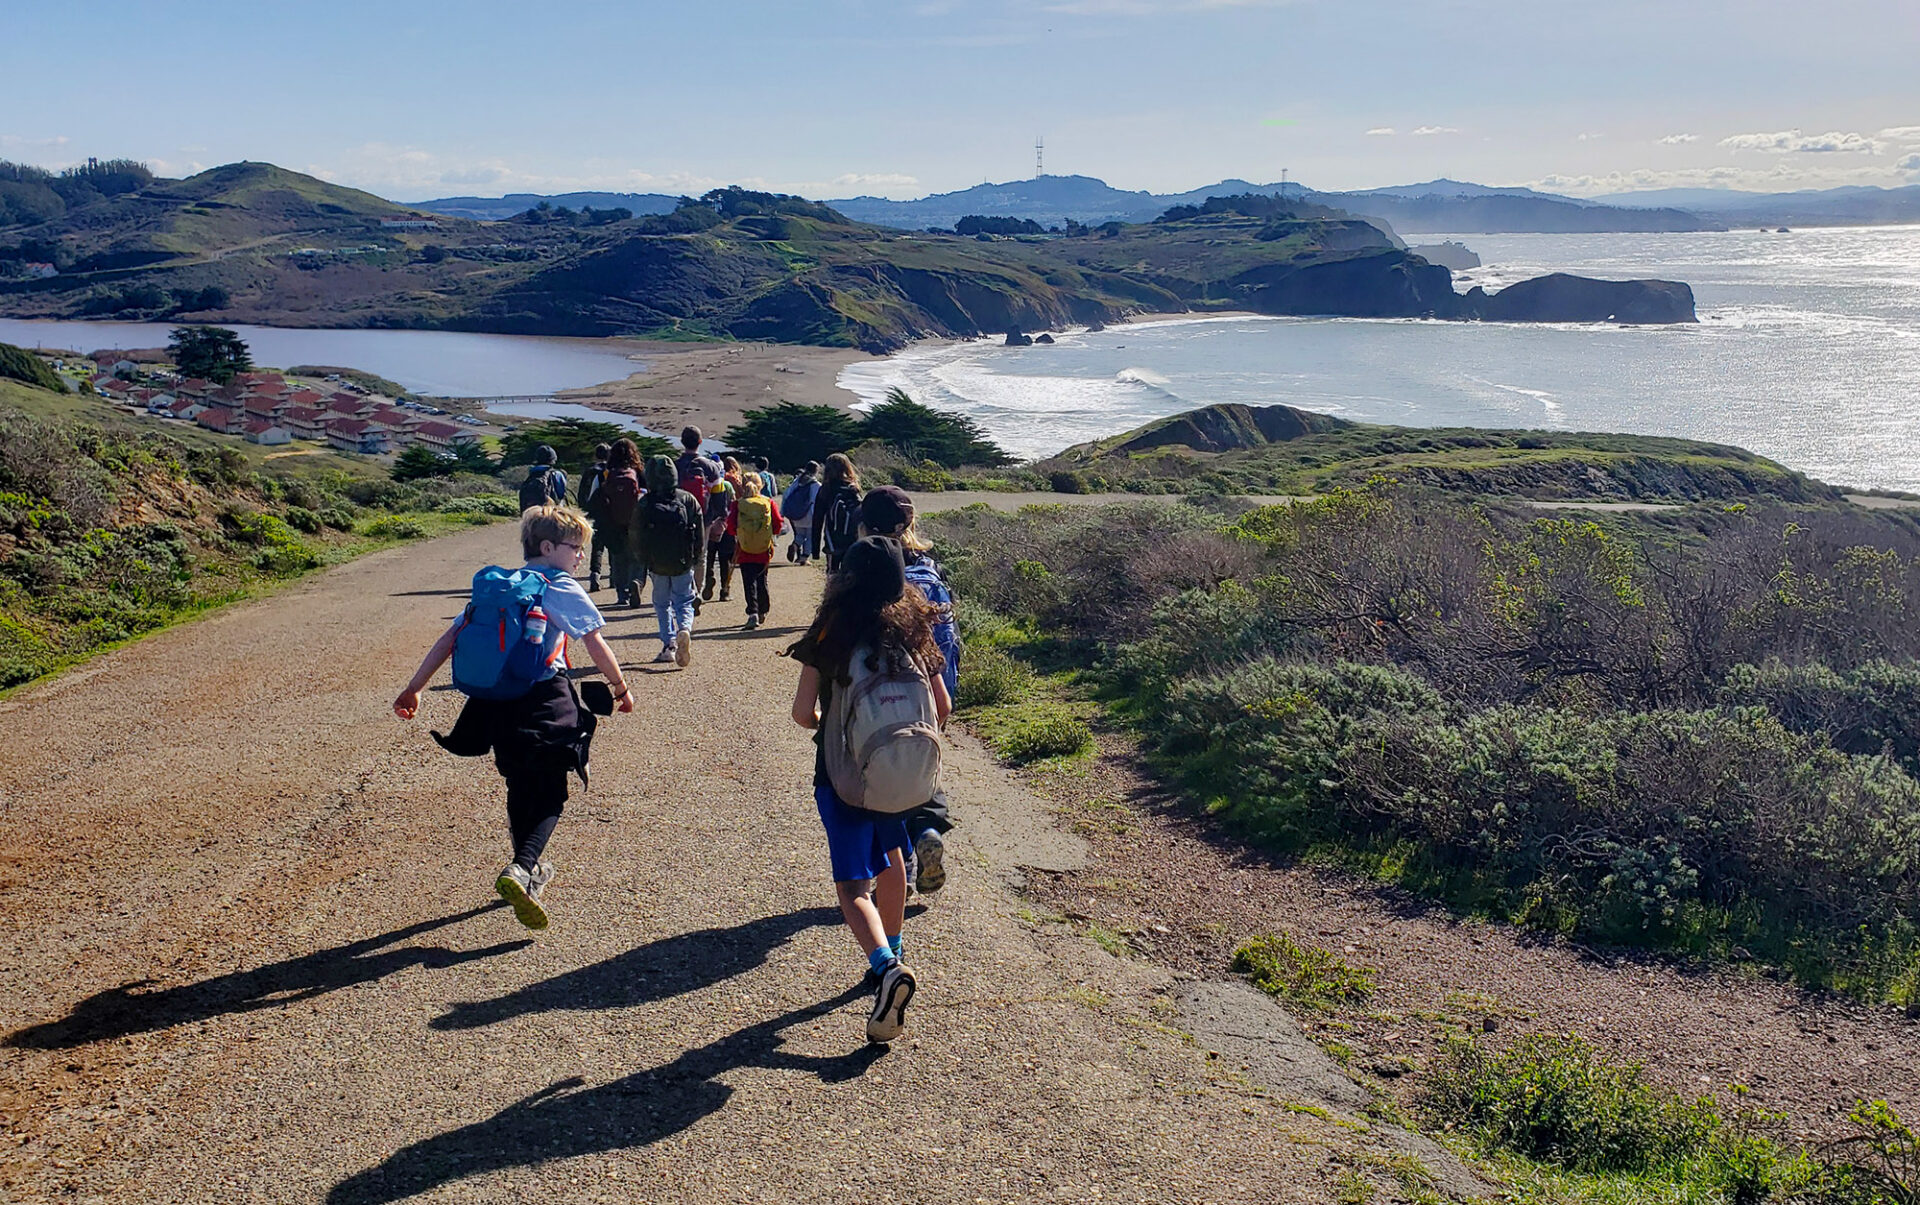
(254, 953)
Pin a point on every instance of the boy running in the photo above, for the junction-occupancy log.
(539, 736)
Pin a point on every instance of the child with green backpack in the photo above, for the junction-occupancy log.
(871, 691)
(509, 649)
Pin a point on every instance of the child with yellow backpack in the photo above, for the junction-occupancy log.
(756, 526)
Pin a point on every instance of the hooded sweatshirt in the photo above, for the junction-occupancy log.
(656, 539)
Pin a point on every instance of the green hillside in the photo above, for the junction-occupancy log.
(254, 242)
(1238, 449)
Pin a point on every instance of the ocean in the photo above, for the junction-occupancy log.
(1807, 351)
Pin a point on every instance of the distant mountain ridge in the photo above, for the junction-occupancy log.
(1435, 207)
(495, 209)
(1439, 206)
(1854, 204)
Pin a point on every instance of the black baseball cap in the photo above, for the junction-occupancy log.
(886, 509)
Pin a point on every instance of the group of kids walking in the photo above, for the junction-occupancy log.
(879, 663)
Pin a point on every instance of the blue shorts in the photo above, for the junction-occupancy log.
(858, 841)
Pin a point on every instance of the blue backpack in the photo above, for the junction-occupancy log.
(925, 573)
(499, 651)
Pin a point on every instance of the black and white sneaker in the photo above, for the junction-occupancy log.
(889, 1015)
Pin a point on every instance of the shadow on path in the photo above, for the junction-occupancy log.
(685, 962)
(567, 1119)
(120, 1011)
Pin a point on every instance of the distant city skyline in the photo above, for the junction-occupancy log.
(413, 100)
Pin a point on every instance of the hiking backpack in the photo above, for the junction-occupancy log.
(841, 520)
(692, 479)
(882, 735)
(593, 491)
(719, 509)
(499, 650)
(798, 503)
(621, 493)
(672, 540)
(925, 574)
(537, 489)
(753, 531)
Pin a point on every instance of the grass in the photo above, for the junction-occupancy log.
(1301, 974)
(1562, 1123)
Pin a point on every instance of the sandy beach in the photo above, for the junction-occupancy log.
(712, 384)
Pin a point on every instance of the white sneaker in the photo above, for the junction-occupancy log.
(515, 886)
(682, 648)
(889, 1015)
(666, 655)
(541, 876)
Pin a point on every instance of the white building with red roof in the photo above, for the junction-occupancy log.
(260, 431)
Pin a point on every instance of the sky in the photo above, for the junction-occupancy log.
(902, 98)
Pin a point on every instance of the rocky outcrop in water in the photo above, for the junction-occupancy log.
(1564, 298)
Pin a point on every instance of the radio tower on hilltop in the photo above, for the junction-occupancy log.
(1039, 156)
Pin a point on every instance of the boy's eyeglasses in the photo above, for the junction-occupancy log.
(568, 544)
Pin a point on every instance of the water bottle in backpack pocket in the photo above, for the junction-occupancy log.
(501, 647)
(882, 734)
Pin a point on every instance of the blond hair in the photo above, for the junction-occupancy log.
(559, 524)
(753, 485)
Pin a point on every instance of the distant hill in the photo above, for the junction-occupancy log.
(1441, 206)
(494, 209)
(1853, 205)
(1502, 211)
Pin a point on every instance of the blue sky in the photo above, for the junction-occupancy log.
(414, 100)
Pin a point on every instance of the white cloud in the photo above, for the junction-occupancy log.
(1911, 165)
(1380, 132)
(1901, 133)
(1784, 142)
(1585, 136)
(407, 172)
(1677, 139)
(19, 144)
(1428, 131)
(1784, 175)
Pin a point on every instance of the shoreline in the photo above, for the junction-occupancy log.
(713, 385)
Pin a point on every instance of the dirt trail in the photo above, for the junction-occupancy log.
(255, 954)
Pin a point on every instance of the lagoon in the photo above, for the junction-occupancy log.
(436, 363)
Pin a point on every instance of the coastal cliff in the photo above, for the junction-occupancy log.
(255, 243)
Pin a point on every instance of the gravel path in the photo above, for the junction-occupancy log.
(255, 954)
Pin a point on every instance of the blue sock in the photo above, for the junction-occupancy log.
(880, 959)
(897, 943)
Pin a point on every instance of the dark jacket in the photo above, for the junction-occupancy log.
(647, 548)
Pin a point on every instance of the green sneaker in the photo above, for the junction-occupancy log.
(516, 887)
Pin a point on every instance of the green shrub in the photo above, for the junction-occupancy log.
(302, 519)
(21, 365)
(340, 518)
(1025, 734)
(1558, 1101)
(394, 528)
(989, 676)
(502, 506)
(1304, 975)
